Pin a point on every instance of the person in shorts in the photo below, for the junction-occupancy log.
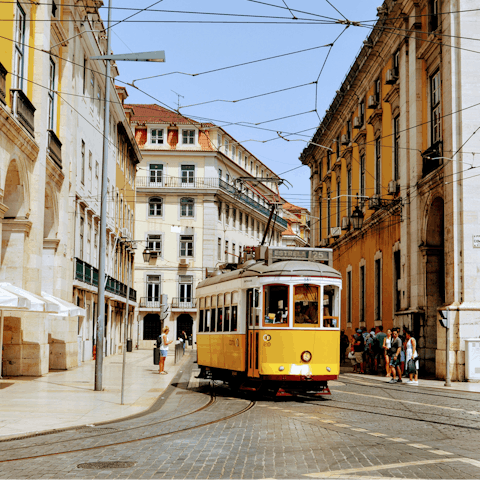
(395, 349)
(379, 350)
(359, 349)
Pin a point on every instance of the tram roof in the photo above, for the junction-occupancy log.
(288, 268)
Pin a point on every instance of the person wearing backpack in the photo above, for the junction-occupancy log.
(164, 343)
(412, 358)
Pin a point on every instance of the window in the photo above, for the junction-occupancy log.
(227, 213)
(396, 147)
(51, 96)
(331, 307)
(396, 62)
(349, 193)
(213, 324)
(378, 90)
(276, 305)
(82, 229)
(246, 162)
(234, 319)
(378, 165)
(398, 275)
(349, 130)
(338, 204)
(153, 289)
(362, 177)
(234, 217)
(337, 147)
(306, 306)
(186, 207)
(185, 287)
(201, 320)
(361, 110)
(226, 251)
(363, 290)
(435, 108)
(234, 250)
(378, 289)
(233, 152)
(256, 170)
(251, 166)
(239, 157)
(155, 174)
(155, 207)
(220, 211)
(227, 178)
(349, 297)
(219, 249)
(156, 137)
(258, 229)
(220, 173)
(154, 244)
(240, 221)
(253, 227)
(219, 313)
(246, 224)
(226, 147)
(188, 175)
(329, 208)
(188, 137)
(82, 164)
(219, 141)
(97, 168)
(329, 160)
(19, 49)
(186, 245)
(84, 74)
(320, 223)
(433, 12)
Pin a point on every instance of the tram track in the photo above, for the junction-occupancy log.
(134, 440)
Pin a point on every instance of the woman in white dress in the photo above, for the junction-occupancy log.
(412, 354)
(164, 350)
(387, 343)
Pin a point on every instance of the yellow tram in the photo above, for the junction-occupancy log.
(273, 322)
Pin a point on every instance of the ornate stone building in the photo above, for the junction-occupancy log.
(400, 134)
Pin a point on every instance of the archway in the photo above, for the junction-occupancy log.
(185, 324)
(434, 282)
(14, 196)
(152, 326)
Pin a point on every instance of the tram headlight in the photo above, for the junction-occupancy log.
(281, 368)
(306, 356)
(329, 369)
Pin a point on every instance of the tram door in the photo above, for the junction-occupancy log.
(253, 322)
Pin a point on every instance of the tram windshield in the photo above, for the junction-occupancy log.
(330, 307)
(276, 305)
(306, 306)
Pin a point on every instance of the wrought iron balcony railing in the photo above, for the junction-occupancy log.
(23, 110)
(55, 148)
(3, 83)
(180, 302)
(150, 302)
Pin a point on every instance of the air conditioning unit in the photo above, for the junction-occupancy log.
(375, 202)
(345, 223)
(372, 102)
(345, 140)
(357, 123)
(393, 187)
(183, 261)
(391, 77)
(335, 231)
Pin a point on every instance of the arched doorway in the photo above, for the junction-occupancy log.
(152, 326)
(185, 323)
(434, 282)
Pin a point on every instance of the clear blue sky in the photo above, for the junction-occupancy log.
(197, 47)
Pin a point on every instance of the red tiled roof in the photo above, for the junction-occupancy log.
(156, 114)
(290, 207)
(288, 231)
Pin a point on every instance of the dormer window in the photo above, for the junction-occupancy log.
(188, 137)
(156, 137)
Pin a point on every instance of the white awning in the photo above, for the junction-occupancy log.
(67, 309)
(11, 300)
(37, 303)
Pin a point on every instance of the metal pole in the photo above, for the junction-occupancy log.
(448, 382)
(103, 219)
(125, 325)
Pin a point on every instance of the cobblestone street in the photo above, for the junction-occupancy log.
(365, 429)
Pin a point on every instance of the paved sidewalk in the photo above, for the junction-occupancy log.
(439, 384)
(64, 399)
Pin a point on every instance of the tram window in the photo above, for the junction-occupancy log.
(234, 326)
(220, 313)
(207, 320)
(330, 307)
(200, 322)
(276, 305)
(227, 319)
(212, 320)
(306, 306)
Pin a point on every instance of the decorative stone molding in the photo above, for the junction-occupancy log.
(360, 137)
(17, 134)
(337, 167)
(375, 117)
(17, 225)
(393, 94)
(3, 210)
(51, 243)
(54, 173)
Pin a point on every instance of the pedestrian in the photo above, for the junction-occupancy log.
(395, 349)
(403, 338)
(183, 337)
(387, 343)
(380, 352)
(359, 348)
(412, 359)
(164, 350)
(351, 353)
(343, 345)
(370, 351)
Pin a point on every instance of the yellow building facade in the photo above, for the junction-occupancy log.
(393, 149)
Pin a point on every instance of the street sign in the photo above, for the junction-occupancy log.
(476, 241)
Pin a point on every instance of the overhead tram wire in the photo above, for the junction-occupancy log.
(294, 10)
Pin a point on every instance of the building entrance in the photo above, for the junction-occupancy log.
(185, 323)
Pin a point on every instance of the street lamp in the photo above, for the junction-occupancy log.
(357, 218)
(158, 56)
(146, 256)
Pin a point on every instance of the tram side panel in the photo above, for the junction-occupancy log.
(283, 348)
(222, 351)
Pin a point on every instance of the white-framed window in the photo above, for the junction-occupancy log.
(226, 147)
(153, 284)
(154, 243)
(19, 49)
(240, 158)
(51, 95)
(186, 245)
(155, 171)
(82, 230)
(219, 141)
(227, 213)
(378, 166)
(226, 251)
(219, 249)
(188, 137)
(220, 173)
(246, 161)
(233, 152)
(188, 175)
(156, 136)
(187, 206)
(240, 221)
(436, 107)
(82, 163)
(219, 206)
(97, 168)
(234, 217)
(185, 290)
(155, 207)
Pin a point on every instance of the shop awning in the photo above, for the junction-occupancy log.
(37, 303)
(67, 309)
(11, 300)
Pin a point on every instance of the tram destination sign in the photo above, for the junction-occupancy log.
(274, 254)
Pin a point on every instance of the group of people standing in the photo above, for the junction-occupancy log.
(369, 350)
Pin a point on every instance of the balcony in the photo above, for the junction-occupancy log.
(150, 302)
(87, 274)
(23, 110)
(199, 182)
(432, 158)
(55, 148)
(184, 303)
(3, 82)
